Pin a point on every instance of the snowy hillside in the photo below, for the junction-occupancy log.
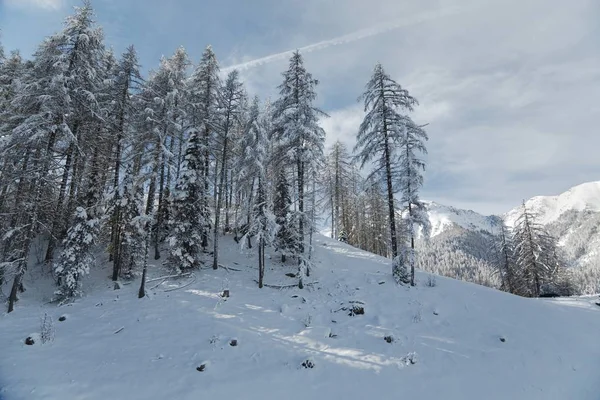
(457, 339)
(584, 197)
(444, 217)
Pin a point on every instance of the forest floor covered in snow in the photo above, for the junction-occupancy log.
(454, 340)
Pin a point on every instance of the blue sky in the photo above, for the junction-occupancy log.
(510, 88)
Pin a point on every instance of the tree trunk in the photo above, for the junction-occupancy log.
(159, 212)
(54, 231)
(300, 223)
(261, 262)
(219, 198)
(142, 291)
(390, 193)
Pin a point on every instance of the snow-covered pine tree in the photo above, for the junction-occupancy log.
(254, 159)
(11, 72)
(187, 224)
(171, 87)
(76, 257)
(300, 139)
(33, 125)
(131, 227)
(75, 55)
(536, 254)
(337, 178)
(205, 93)
(125, 79)
(77, 253)
(380, 138)
(284, 240)
(230, 111)
(410, 179)
(509, 274)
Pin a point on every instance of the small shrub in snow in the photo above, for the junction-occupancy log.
(431, 281)
(46, 329)
(400, 270)
(410, 358)
(308, 363)
(417, 317)
(307, 321)
(356, 310)
(389, 338)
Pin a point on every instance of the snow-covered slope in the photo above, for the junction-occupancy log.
(444, 217)
(548, 209)
(465, 341)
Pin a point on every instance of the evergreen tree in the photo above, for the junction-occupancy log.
(536, 254)
(338, 175)
(125, 79)
(509, 276)
(76, 257)
(299, 137)
(284, 241)
(229, 116)
(132, 226)
(385, 136)
(74, 58)
(262, 223)
(187, 216)
(163, 102)
(410, 180)
(205, 94)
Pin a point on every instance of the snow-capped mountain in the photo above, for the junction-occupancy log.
(461, 240)
(444, 217)
(549, 209)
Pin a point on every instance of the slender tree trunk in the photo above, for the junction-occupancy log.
(390, 190)
(301, 223)
(219, 194)
(116, 218)
(261, 241)
(142, 291)
(159, 212)
(261, 262)
(58, 217)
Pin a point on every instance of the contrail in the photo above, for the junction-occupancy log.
(351, 37)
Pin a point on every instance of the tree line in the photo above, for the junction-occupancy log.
(95, 155)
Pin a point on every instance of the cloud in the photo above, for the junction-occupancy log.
(38, 4)
(380, 28)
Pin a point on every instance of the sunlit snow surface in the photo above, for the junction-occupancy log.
(551, 348)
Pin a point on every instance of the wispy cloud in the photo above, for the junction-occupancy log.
(38, 4)
(349, 38)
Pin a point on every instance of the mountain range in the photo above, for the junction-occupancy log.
(461, 241)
